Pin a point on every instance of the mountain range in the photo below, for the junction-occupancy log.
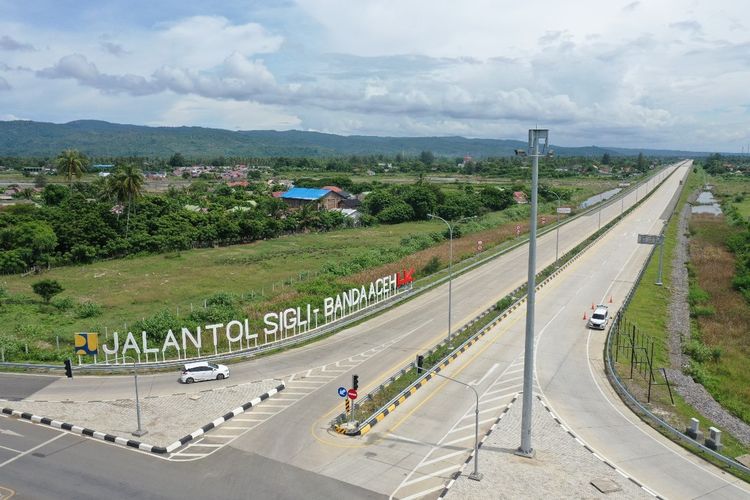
(21, 138)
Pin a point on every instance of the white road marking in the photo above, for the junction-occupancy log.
(472, 425)
(431, 475)
(497, 398)
(459, 440)
(492, 369)
(31, 450)
(443, 457)
(10, 433)
(10, 449)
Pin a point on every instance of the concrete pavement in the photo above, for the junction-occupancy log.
(561, 468)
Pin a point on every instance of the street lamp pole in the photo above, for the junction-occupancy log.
(476, 475)
(450, 268)
(528, 362)
(138, 432)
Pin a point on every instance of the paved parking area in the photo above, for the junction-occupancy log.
(166, 418)
(18, 439)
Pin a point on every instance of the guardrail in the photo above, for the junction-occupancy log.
(463, 267)
(631, 400)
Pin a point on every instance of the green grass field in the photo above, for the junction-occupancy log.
(262, 275)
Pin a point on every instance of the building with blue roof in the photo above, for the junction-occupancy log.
(322, 199)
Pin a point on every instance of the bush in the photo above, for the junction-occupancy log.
(697, 295)
(432, 266)
(699, 374)
(47, 289)
(11, 262)
(396, 213)
(88, 310)
(698, 351)
(63, 304)
(214, 314)
(83, 254)
(698, 311)
(221, 299)
(157, 325)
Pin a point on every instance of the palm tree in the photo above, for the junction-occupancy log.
(71, 163)
(126, 185)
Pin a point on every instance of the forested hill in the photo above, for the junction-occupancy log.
(104, 139)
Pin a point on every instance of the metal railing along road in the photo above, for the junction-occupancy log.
(631, 401)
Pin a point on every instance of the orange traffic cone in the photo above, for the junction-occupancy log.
(584, 316)
(610, 299)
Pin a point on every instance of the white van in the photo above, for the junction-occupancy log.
(203, 370)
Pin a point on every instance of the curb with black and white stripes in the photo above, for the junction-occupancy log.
(160, 450)
(596, 455)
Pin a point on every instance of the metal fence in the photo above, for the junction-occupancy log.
(610, 351)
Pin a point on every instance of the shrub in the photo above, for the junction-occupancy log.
(505, 303)
(698, 311)
(11, 262)
(431, 267)
(82, 254)
(221, 299)
(698, 351)
(699, 374)
(63, 304)
(88, 310)
(47, 289)
(396, 213)
(697, 295)
(157, 325)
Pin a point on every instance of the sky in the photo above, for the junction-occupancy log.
(652, 73)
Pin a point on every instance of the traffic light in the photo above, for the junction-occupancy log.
(420, 362)
(355, 382)
(68, 369)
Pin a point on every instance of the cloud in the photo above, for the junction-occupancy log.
(8, 43)
(638, 71)
(226, 114)
(114, 49)
(196, 42)
(693, 27)
(4, 85)
(77, 67)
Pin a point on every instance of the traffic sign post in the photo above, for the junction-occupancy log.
(351, 396)
(654, 239)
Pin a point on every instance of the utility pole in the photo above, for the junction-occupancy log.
(525, 449)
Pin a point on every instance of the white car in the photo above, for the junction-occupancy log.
(203, 370)
(600, 318)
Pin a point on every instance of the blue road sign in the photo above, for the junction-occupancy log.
(342, 392)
